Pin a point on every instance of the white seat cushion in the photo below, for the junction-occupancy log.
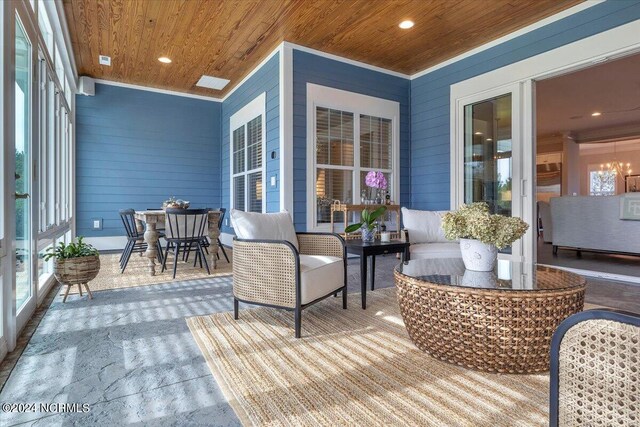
(424, 226)
(319, 276)
(435, 250)
(268, 226)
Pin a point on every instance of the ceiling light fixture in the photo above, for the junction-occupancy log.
(405, 25)
(104, 60)
(489, 139)
(164, 60)
(478, 133)
(596, 114)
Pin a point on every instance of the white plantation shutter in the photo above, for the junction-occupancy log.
(238, 192)
(375, 142)
(254, 143)
(238, 150)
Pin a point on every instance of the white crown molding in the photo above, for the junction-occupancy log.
(539, 24)
(345, 60)
(153, 89)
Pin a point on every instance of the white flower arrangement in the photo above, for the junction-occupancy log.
(474, 221)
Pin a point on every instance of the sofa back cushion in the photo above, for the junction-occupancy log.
(268, 226)
(424, 226)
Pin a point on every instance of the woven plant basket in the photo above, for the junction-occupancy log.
(75, 271)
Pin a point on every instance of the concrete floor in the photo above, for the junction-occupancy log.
(130, 356)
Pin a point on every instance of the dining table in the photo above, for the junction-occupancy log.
(149, 221)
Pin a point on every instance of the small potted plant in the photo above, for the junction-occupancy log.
(481, 234)
(74, 264)
(367, 224)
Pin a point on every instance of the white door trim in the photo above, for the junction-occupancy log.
(285, 177)
(457, 150)
(610, 44)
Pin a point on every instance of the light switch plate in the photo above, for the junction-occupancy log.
(273, 181)
(97, 223)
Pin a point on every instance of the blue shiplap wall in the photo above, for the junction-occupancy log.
(265, 80)
(310, 68)
(136, 148)
(430, 93)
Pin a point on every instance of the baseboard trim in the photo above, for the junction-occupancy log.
(109, 243)
(598, 274)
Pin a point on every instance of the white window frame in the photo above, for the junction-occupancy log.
(358, 104)
(257, 107)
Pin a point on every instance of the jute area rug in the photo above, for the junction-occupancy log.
(137, 272)
(353, 367)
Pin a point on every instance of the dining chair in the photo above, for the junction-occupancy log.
(205, 242)
(135, 239)
(185, 228)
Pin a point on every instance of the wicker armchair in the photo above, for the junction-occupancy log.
(595, 370)
(274, 273)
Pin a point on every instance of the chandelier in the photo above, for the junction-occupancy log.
(615, 168)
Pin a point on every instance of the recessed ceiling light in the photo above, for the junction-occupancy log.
(211, 82)
(596, 113)
(478, 133)
(164, 60)
(405, 25)
(489, 139)
(104, 60)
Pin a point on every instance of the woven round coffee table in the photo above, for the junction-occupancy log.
(500, 321)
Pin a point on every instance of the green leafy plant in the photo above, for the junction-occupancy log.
(474, 221)
(368, 220)
(72, 250)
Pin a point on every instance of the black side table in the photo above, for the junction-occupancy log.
(365, 250)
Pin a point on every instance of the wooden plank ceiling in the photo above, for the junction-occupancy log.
(228, 38)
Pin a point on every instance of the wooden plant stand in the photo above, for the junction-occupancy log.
(69, 285)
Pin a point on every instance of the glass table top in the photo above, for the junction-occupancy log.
(507, 275)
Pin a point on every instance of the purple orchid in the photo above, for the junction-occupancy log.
(376, 180)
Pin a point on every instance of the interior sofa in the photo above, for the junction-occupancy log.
(593, 224)
(423, 229)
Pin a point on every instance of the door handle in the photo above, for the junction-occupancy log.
(22, 195)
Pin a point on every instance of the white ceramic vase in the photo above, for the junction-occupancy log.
(478, 256)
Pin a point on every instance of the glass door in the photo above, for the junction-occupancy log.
(489, 160)
(24, 295)
(488, 154)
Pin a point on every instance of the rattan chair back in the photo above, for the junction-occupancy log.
(595, 370)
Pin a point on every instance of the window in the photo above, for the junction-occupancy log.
(352, 135)
(602, 183)
(45, 27)
(334, 159)
(247, 151)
